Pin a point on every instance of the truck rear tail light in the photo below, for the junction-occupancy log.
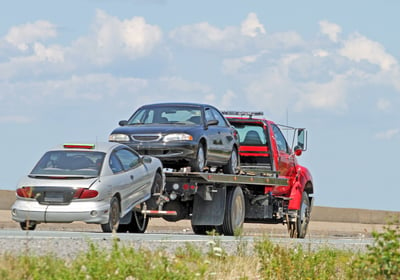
(85, 193)
(26, 192)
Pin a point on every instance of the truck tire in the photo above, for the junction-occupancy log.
(198, 164)
(202, 229)
(234, 212)
(298, 229)
(233, 164)
(138, 222)
(113, 219)
(155, 189)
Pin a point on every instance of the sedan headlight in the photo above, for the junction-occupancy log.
(118, 138)
(178, 137)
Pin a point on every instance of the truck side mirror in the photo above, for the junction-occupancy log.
(301, 139)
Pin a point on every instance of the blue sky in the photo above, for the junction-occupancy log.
(70, 70)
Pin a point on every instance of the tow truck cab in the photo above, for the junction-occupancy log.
(264, 148)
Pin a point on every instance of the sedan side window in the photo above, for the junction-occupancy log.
(219, 118)
(127, 158)
(209, 115)
(115, 164)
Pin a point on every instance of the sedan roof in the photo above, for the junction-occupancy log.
(176, 104)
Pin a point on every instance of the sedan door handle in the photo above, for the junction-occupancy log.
(132, 177)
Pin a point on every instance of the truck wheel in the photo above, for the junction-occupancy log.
(298, 229)
(27, 225)
(233, 163)
(202, 229)
(198, 164)
(155, 189)
(113, 219)
(138, 223)
(123, 228)
(234, 212)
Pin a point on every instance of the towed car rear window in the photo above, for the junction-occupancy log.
(75, 163)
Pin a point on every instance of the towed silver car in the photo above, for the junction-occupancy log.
(101, 183)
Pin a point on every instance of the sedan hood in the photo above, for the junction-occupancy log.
(154, 129)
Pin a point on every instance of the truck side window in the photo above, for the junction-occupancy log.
(280, 139)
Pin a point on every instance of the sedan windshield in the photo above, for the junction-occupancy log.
(75, 163)
(167, 115)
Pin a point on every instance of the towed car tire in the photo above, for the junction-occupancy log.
(232, 166)
(113, 220)
(28, 225)
(198, 164)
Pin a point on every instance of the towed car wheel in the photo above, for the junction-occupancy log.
(233, 163)
(113, 220)
(198, 164)
(28, 225)
(155, 192)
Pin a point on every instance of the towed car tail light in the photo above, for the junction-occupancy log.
(85, 193)
(178, 137)
(26, 192)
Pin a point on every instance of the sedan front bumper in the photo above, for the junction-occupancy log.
(96, 212)
(184, 150)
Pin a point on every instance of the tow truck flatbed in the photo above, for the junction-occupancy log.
(218, 178)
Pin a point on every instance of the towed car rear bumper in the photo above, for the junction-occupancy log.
(96, 212)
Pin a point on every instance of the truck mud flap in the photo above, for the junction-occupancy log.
(209, 212)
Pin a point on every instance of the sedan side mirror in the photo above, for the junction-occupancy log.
(123, 123)
(212, 122)
(146, 159)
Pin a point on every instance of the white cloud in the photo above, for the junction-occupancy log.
(359, 48)
(182, 85)
(228, 99)
(113, 38)
(383, 104)
(332, 30)
(388, 134)
(233, 65)
(23, 35)
(52, 54)
(204, 35)
(251, 26)
(324, 96)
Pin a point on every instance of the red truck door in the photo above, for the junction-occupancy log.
(285, 162)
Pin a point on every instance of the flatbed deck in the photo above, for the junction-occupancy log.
(218, 178)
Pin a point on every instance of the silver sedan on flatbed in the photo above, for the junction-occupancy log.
(101, 183)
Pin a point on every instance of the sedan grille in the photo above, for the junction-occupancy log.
(146, 137)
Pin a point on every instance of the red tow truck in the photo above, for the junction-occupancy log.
(271, 186)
